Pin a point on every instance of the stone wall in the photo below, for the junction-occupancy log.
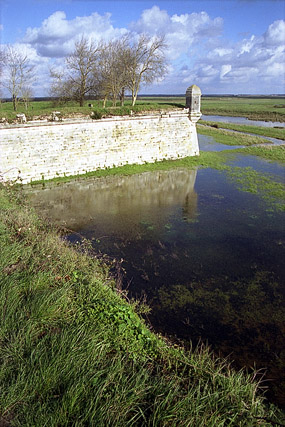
(31, 152)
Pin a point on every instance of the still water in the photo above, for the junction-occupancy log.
(242, 121)
(208, 257)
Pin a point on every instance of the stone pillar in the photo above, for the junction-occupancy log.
(193, 102)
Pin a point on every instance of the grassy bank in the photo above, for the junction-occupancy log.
(228, 137)
(74, 352)
(205, 159)
(257, 130)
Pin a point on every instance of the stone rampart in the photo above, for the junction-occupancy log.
(32, 152)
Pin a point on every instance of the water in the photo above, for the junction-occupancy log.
(241, 120)
(208, 257)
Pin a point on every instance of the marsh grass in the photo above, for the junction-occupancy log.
(74, 352)
(229, 137)
(268, 109)
(258, 130)
(269, 152)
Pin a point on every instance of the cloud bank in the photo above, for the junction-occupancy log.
(197, 50)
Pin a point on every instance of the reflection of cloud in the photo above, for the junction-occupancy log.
(117, 205)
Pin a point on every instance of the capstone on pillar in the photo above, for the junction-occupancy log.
(193, 102)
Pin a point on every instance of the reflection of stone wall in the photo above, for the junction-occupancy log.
(119, 204)
(48, 150)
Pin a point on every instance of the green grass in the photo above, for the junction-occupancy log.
(274, 153)
(228, 137)
(74, 352)
(253, 108)
(264, 185)
(268, 109)
(43, 109)
(258, 130)
(205, 159)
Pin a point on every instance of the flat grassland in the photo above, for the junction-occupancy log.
(263, 108)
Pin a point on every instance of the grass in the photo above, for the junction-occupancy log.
(205, 159)
(74, 352)
(228, 137)
(43, 109)
(268, 109)
(258, 130)
(273, 153)
(251, 181)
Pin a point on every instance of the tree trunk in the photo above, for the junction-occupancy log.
(122, 97)
(14, 102)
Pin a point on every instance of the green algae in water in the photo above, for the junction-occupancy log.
(249, 180)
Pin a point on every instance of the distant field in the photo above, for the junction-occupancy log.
(270, 109)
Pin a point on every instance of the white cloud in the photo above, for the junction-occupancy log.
(197, 52)
(56, 36)
(275, 35)
(181, 31)
(254, 65)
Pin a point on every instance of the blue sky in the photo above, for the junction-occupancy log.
(225, 46)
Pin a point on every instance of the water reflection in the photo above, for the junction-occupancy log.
(209, 258)
(120, 204)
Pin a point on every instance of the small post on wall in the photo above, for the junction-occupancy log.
(193, 102)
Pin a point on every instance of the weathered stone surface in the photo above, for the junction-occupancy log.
(50, 150)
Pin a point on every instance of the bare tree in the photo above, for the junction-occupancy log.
(2, 61)
(145, 62)
(26, 95)
(18, 75)
(113, 72)
(77, 80)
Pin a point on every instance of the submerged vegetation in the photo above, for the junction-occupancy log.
(74, 351)
(270, 152)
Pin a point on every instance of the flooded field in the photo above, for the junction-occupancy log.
(207, 257)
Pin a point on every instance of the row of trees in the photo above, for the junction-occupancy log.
(106, 70)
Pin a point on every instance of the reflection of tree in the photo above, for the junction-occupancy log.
(243, 318)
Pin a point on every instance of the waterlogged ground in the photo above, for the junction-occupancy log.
(208, 256)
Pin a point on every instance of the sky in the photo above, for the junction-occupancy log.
(224, 47)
